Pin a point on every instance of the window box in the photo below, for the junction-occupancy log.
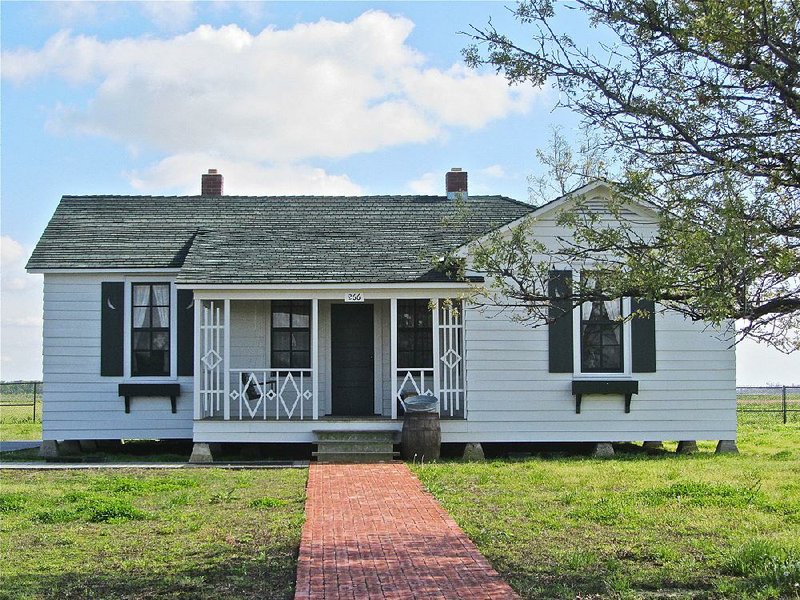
(170, 390)
(626, 387)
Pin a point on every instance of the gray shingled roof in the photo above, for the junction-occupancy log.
(233, 239)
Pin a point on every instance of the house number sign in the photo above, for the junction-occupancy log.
(354, 297)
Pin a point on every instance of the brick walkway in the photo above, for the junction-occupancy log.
(372, 532)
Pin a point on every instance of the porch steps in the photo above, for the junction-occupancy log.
(355, 446)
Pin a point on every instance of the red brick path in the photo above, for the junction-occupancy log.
(372, 532)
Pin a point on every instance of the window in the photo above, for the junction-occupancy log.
(150, 335)
(414, 335)
(601, 336)
(291, 334)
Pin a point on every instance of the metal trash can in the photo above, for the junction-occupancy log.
(421, 438)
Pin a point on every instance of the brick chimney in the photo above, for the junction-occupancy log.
(455, 181)
(211, 183)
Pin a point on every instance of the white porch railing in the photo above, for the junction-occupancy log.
(446, 379)
(413, 382)
(263, 393)
(271, 394)
(236, 393)
(451, 385)
(209, 356)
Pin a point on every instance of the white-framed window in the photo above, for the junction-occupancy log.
(602, 338)
(290, 334)
(150, 329)
(150, 340)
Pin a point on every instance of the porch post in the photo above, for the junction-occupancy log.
(315, 356)
(393, 347)
(436, 361)
(198, 412)
(226, 358)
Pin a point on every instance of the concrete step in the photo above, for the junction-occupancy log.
(354, 446)
(381, 435)
(355, 457)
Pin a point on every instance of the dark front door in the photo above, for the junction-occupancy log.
(352, 364)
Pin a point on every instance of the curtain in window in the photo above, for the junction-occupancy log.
(141, 298)
(161, 298)
(608, 310)
(601, 336)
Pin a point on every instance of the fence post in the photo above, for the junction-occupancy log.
(783, 403)
(34, 402)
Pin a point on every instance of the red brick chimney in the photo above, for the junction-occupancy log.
(455, 181)
(211, 183)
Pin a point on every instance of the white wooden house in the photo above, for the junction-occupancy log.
(275, 319)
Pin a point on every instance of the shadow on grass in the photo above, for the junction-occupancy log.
(167, 451)
(271, 576)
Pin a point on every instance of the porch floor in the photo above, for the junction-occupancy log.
(371, 531)
(327, 419)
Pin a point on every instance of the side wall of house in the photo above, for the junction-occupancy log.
(79, 403)
(512, 396)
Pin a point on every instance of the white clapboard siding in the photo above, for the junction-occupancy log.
(79, 403)
(512, 396)
(250, 340)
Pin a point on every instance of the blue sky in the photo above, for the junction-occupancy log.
(336, 98)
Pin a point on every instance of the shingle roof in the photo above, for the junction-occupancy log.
(233, 239)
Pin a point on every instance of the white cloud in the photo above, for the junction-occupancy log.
(20, 314)
(494, 171)
(322, 89)
(431, 184)
(463, 97)
(181, 175)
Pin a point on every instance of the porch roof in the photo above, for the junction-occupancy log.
(232, 239)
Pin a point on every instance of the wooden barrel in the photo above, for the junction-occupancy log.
(422, 436)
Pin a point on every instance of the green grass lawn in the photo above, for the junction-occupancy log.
(699, 526)
(205, 533)
(637, 526)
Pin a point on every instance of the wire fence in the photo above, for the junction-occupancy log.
(769, 403)
(21, 401)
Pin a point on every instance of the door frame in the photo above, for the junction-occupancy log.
(377, 358)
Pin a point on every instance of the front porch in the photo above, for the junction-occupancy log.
(277, 366)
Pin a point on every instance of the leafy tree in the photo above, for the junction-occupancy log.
(700, 102)
(566, 169)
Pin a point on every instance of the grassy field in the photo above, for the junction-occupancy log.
(17, 422)
(205, 533)
(638, 526)
(764, 409)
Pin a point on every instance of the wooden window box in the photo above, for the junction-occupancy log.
(626, 387)
(171, 390)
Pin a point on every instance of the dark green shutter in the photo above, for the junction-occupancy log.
(643, 337)
(112, 328)
(185, 317)
(560, 327)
